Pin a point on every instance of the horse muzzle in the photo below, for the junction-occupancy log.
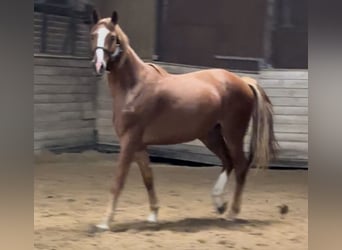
(100, 68)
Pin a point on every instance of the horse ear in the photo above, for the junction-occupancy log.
(114, 17)
(95, 16)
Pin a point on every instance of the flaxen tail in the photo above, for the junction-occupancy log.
(263, 144)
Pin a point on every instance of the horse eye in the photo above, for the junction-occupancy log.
(112, 38)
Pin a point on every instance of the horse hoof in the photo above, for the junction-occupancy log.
(222, 208)
(232, 215)
(152, 218)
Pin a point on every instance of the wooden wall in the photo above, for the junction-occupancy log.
(196, 31)
(289, 38)
(57, 36)
(64, 94)
(137, 18)
(288, 90)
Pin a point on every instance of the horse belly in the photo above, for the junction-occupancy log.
(184, 113)
(174, 127)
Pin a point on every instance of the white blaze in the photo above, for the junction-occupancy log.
(101, 36)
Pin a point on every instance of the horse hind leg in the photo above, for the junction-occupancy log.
(234, 141)
(143, 162)
(215, 143)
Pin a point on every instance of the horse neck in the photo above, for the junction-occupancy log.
(129, 74)
(122, 80)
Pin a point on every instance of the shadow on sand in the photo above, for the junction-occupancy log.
(190, 225)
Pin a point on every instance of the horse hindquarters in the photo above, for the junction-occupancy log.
(263, 143)
(237, 113)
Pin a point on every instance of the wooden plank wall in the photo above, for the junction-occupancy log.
(64, 94)
(57, 35)
(288, 90)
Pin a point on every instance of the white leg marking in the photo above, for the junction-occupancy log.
(153, 217)
(104, 225)
(219, 188)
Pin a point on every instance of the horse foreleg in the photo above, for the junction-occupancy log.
(124, 162)
(144, 164)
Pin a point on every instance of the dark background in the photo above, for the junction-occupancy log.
(244, 34)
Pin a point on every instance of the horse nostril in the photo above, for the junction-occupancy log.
(102, 68)
(99, 68)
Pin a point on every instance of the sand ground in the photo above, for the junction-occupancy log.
(71, 192)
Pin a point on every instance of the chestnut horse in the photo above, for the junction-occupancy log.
(153, 107)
